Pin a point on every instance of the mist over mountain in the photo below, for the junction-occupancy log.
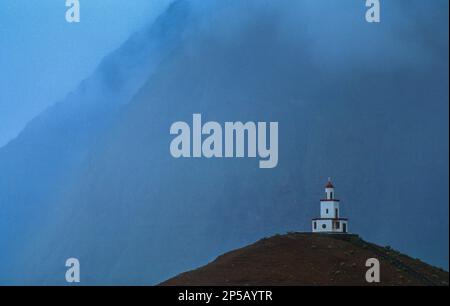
(42, 161)
(93, 177)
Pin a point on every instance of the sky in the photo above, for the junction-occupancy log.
(42, 57)
(376, 94)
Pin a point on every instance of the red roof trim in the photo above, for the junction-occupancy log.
(335, 219)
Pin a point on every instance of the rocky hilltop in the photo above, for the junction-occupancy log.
(311, 259)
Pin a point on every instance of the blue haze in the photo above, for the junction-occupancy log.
(42, 57)
(92, 176)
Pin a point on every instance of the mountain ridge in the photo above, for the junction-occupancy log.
(131, 203)
(43, 160)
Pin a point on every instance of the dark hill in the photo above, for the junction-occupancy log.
(94, 179)
(311, 259)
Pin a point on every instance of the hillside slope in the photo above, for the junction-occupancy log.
(311, 259)
(133, 214)
(44, 160)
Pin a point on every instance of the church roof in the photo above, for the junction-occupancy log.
(329, 185)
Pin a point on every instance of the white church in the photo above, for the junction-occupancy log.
(330, 220)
